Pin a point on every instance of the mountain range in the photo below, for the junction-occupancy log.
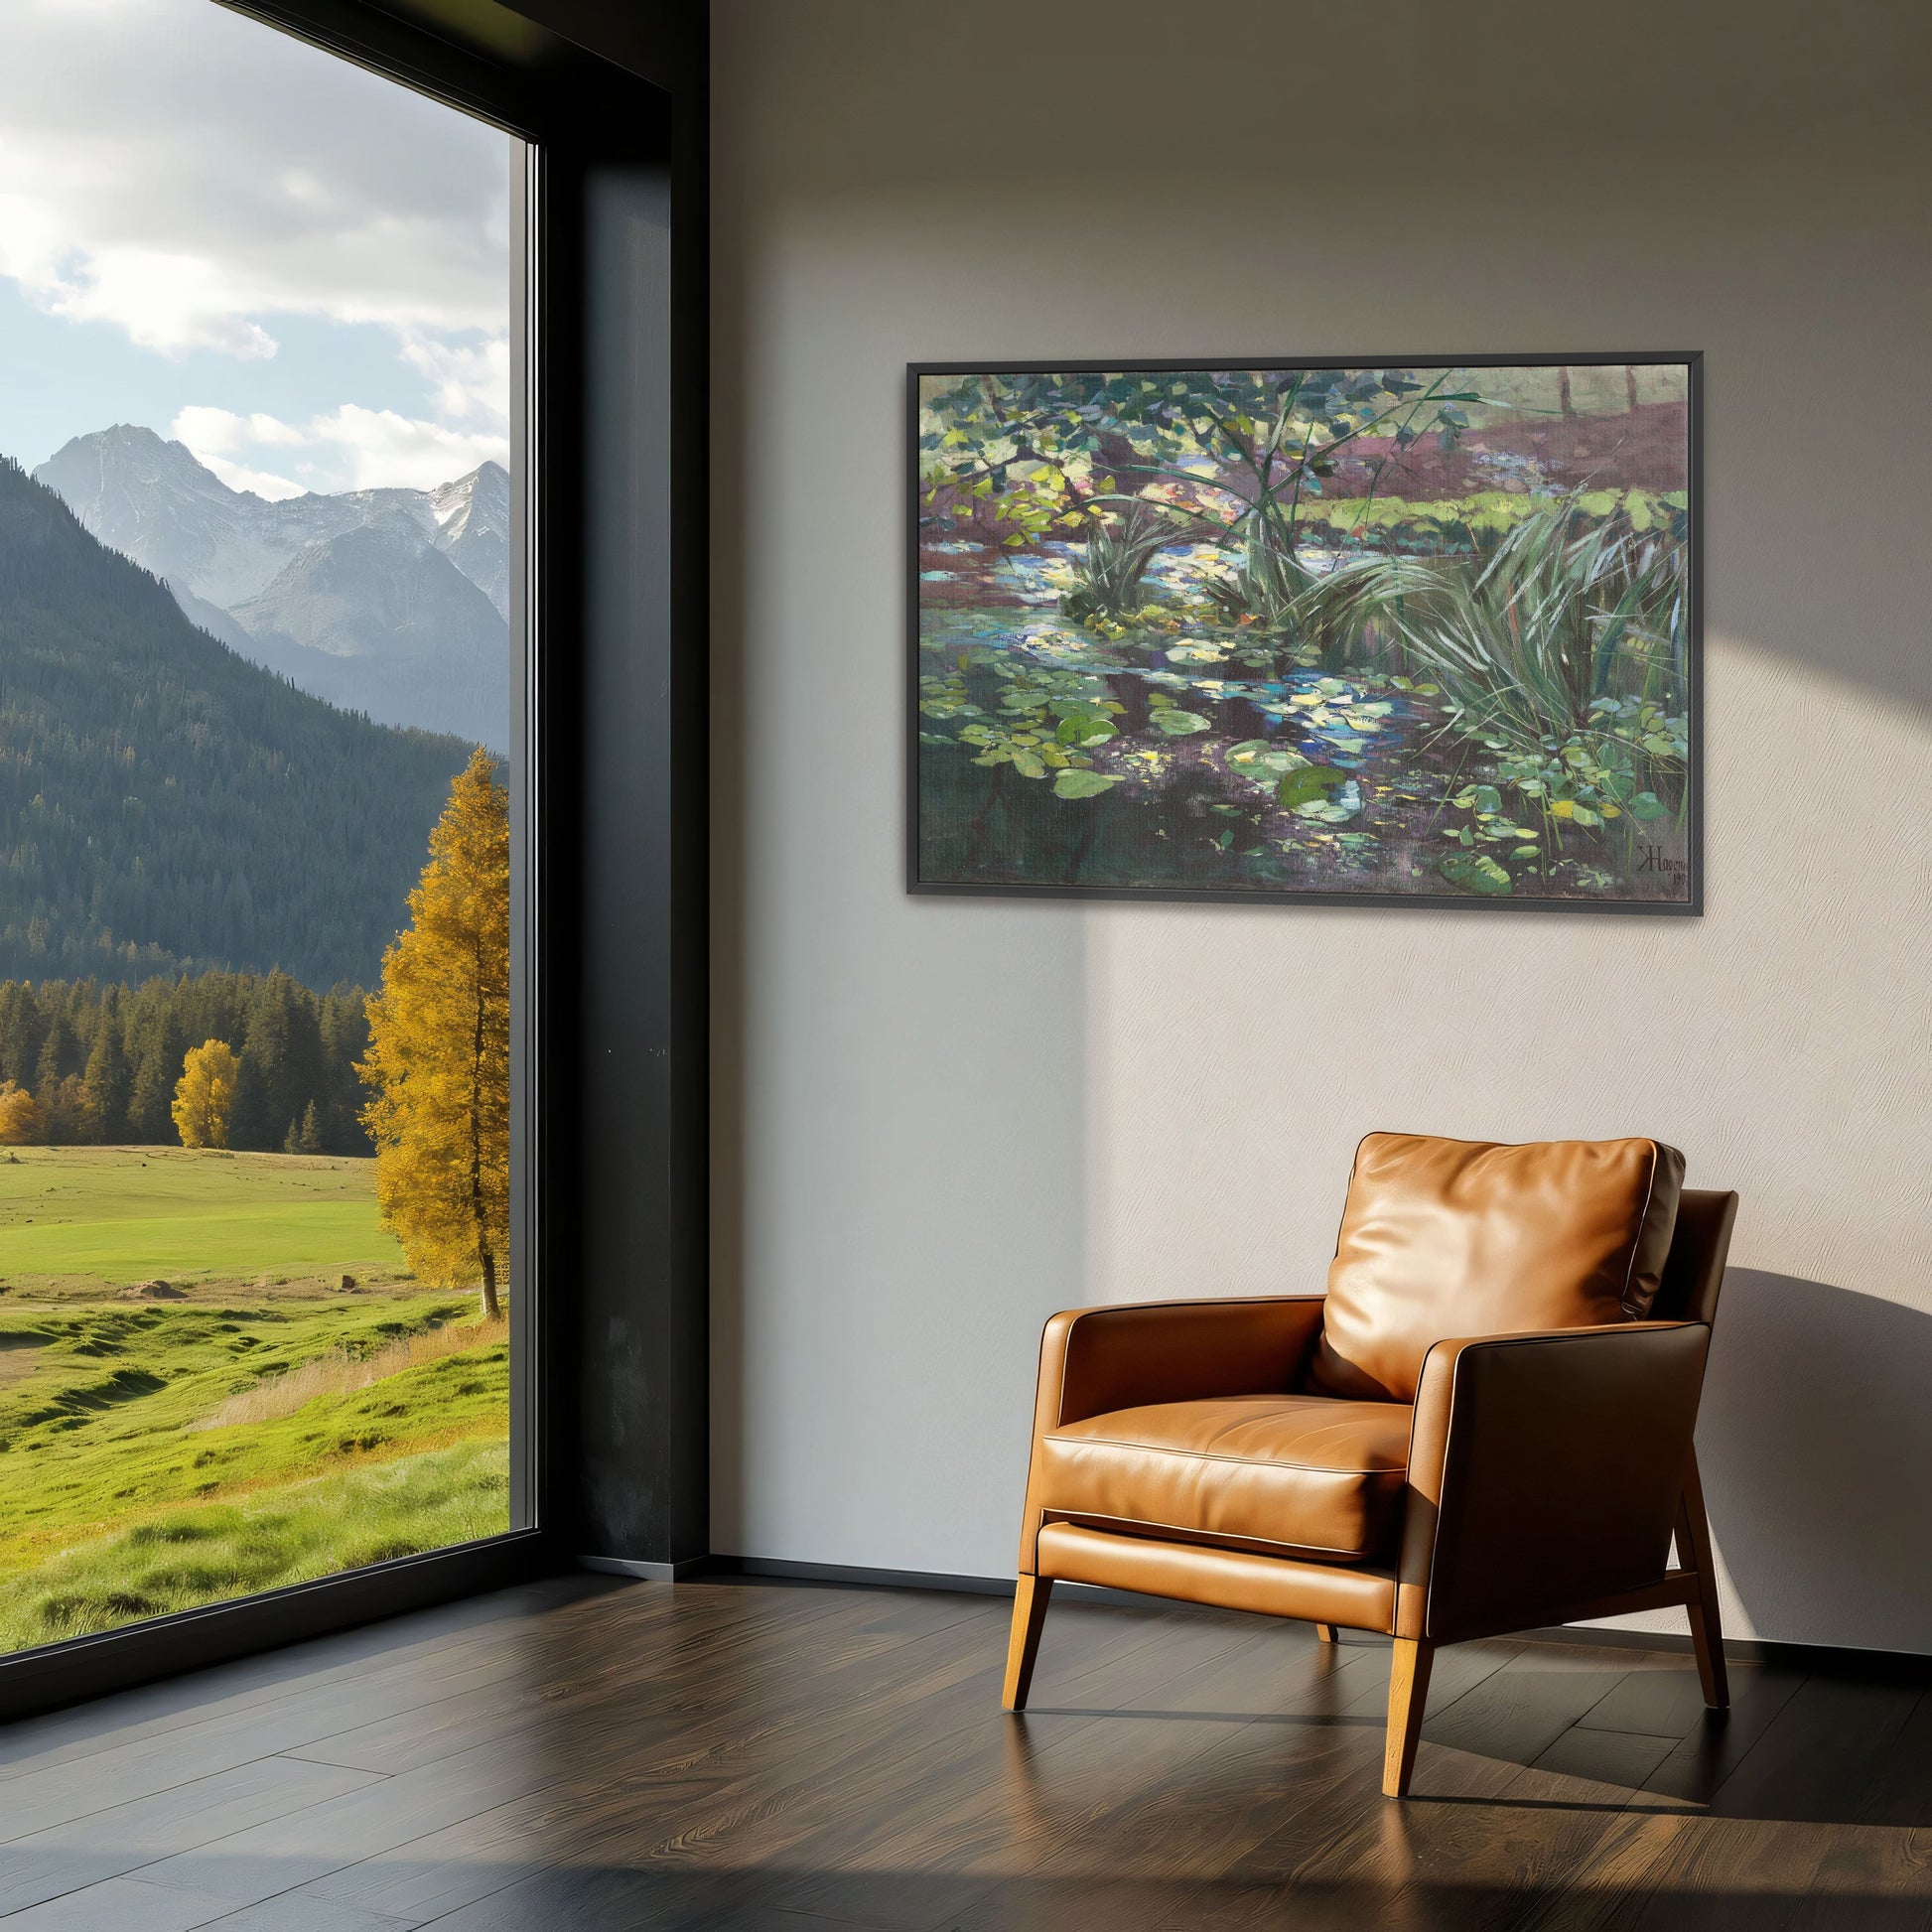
(166, 806)
(391, 601)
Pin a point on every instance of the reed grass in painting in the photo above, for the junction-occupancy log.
(1419, 631)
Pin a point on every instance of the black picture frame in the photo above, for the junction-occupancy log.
(1690, 907)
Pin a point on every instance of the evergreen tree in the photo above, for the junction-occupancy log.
(438, 1063)
(344, 1024)
(22, 1028)
(150, 1117)
(248, 1119)
(63, 1111)
(60, 1052)
(282, 1053)
(309, 1141)
(105, 1085)
(299, 1051)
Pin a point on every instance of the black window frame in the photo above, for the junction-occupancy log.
(608, 1353)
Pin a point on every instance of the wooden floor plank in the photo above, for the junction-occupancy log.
(125, 1838)
(1818, 1760)
(489, 1852)
(31, 1745)
(758, 1756)
(122, 1905)
(650, 1745)
(777, 1834)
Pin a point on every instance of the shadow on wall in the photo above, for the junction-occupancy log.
(1816, 1441)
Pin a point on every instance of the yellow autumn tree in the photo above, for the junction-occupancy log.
(20, 1116)
(438, 1059)
(205, 1094)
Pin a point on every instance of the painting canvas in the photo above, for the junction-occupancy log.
(1425, 634)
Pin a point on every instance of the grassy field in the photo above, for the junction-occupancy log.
(263, 1425)
(106, 1216)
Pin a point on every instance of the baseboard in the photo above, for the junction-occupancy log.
(142, 1653)
(650, 1572)
(781, 1570)
(1820, 1659)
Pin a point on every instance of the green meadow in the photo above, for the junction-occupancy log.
(291, 1403)
(102, 1216)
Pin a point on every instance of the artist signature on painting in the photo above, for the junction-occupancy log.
(1653, 857)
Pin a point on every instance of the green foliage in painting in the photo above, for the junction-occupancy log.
(1135, 462)
(1419, 631)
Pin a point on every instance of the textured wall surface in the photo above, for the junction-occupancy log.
(937, 1121)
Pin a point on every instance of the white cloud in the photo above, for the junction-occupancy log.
(197, 181)
(347, 448)
(466, 379)
(223, 173)
(389, 448)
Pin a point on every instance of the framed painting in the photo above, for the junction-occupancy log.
(1320, 632)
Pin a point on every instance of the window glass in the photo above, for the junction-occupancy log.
(256, 724)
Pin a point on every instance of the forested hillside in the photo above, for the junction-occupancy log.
(100, 1061)
(166, 806)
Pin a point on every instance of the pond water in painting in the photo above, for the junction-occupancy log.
(1339, 632)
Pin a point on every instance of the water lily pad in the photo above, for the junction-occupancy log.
(1257, 759)
(1308, 785)
(1077, 783)
(1178, 723)
(1477, 874)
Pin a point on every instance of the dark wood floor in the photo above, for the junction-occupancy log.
(583, 1754)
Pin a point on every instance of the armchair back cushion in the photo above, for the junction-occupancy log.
(1445, 1239)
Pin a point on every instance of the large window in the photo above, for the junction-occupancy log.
(261, 635)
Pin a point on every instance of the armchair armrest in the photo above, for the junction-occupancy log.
(1544, 1472)
(1093, 1362)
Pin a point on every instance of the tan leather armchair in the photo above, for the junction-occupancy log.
(1484, 1425)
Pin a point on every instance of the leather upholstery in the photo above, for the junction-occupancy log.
(1455, 1238)
(1358, 1597)
(1695, 1269)
(1292, 1474)
(1544, 1472)
(1094, 1360)
(1543, 1469)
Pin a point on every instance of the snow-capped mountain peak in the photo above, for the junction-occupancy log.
(333, 590)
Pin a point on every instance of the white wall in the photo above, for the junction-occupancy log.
(939, 1120)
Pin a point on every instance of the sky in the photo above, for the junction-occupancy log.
(299, 269)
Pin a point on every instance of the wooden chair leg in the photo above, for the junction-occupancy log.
(1408, 1694)
(1324, 1633)
(1694, 1552)
(1023, 1644)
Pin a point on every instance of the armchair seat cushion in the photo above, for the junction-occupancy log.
(1287, 1474)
